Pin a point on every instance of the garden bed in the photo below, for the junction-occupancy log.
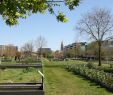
(19, 75)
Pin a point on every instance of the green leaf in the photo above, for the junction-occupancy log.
(61, 17)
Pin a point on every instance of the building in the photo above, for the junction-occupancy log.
(45, 52)
(74, 45)
(2, 48)
(75, 49)
(107, 44)
(8, 50)
(46, 49)
(62, 46)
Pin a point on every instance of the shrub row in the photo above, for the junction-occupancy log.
(100, 77)
(105, 69)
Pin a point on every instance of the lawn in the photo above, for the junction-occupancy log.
(60, 82)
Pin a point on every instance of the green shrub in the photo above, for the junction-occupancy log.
(90, 65)
(111, 65)
(100, 68)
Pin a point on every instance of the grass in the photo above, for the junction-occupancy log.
(60, 82)
(18, 75)
(12, 62)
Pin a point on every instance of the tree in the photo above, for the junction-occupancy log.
(40, 43)
(12, 10)
(92, 50)
(97, 24)
(28, 48)
(58, 54)
(9, 50)
(77, 50)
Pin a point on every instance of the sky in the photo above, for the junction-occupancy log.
(46, 25)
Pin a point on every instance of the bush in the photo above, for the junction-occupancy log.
(100, 68)
(111, 65)
(108, 70)
(90, 65)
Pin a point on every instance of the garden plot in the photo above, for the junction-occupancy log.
(19, 75)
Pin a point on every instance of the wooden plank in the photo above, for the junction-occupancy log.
(20, 86)
(27, 83)
(23, 92)
(20, 65)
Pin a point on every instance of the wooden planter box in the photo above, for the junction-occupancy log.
(22, 88)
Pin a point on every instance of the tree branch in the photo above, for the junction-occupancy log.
(55, 1)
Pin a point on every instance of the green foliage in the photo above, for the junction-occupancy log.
(12, 10)
(72, 3)
(111, 65)
(61, 17)
(90, 65)
(105, 69)
(100, 68)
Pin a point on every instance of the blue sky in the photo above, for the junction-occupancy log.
(47, 26)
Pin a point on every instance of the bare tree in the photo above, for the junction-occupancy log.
(40, 43)
(98, 25)
(28, 48)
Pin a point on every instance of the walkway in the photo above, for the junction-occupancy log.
(60, 82)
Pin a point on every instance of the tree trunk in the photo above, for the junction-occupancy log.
(86, 50)
(41, 52)
(99, 53)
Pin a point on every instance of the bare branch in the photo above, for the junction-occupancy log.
(98, 24)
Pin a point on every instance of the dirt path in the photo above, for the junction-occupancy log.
(60, 82)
